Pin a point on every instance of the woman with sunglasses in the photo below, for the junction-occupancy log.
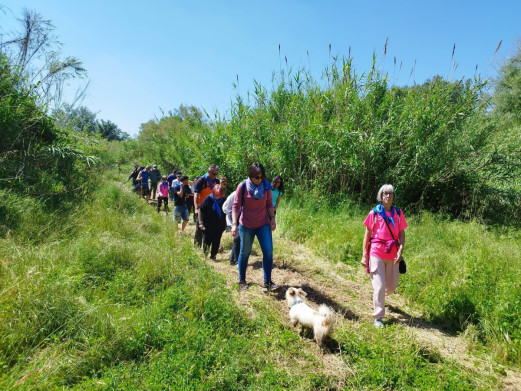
(253, 215)
(382, 249)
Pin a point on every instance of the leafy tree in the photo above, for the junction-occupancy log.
(507, 95)
(35, 54)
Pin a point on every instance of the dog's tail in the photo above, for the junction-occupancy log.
(329, 321)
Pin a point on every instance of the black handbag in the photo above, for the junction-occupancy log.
(402, 266)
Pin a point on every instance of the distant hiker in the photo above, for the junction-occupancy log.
(382, 248)
(142, 180)
(203, 188)
(236, 247)
(133, 175)
(154, 176)
(190, 198)
(192, 187)
(257, 218)
(212, 221)
(181, 191)
(170, 179)
(177, 179)
(162, 195)
(276, 191)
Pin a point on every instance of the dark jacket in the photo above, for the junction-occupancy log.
(209, 217)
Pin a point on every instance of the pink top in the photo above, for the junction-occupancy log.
(163, 189)
(254, 212)
(380, 231)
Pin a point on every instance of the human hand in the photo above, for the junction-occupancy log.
(398, 255)
(273, 225)
(364, 260)
(234, 230)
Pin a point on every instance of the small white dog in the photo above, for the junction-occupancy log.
(320, 321)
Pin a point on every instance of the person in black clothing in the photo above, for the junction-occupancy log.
(181, 191)
(212, 221)
(202, 189)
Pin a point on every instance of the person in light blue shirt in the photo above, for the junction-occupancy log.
(276, 191)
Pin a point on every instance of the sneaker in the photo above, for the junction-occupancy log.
(378, 323)
(213, 259)
(270, 287)
(243, 285)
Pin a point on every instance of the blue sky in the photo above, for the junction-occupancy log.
(146, 56)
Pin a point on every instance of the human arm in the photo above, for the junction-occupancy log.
(365, 246)
(400, 249)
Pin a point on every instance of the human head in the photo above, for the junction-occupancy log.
(163, 178)
(154, 167)
(147, 168)
(218, 191)
(213, 171)
(385, 189)
(183, 179)
(224, 182)
(278, 179)
(255, 171)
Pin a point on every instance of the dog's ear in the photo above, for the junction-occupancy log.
(301, 292)
(292, 291)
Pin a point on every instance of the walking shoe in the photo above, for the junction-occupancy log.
(378, 323)
(213, 259)
(220, 250)
(243, 285)
(270, 287)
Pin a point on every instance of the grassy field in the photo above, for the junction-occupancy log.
(103, 294)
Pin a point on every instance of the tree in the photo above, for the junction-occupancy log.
(507, 94)
(35, 55)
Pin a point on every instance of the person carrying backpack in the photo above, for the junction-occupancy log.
(253, 216)
(382, 248)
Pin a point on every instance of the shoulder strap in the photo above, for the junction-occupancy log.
(243, 190)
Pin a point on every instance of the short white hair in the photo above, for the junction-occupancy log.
(386, 188)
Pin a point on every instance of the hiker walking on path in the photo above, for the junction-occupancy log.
(181, 192)
(253, 215)
(142, 180)
(278, 188)
(203, 188)
(162, 194)
(154, 176)
(212, 221)
(382, 248)
(236, 247)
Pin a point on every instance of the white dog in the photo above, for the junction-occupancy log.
(320, 321)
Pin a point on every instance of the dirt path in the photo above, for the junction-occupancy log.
(349, 293)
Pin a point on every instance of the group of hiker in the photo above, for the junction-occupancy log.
(250, 211)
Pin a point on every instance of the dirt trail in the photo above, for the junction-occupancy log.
(350, 295)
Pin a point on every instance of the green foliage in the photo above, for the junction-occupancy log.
(81, 119)
(349, 136)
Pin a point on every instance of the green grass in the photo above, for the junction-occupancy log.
(111, 298)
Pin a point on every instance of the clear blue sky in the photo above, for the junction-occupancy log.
(145, 55)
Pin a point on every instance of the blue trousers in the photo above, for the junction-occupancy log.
(266, 243)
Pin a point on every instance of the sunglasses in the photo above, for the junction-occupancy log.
(214, 173)
(258, 177)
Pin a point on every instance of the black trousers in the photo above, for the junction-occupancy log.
(159, 201)
(236, 249)
(198, 234)
(212, 239)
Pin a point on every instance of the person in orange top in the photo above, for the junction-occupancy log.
(203, 188)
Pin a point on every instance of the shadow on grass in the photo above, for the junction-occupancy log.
(406, 319)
